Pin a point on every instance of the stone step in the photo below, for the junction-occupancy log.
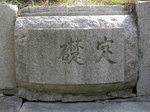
(82, 13)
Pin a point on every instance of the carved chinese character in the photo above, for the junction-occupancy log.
(71, 51)
(105, 48)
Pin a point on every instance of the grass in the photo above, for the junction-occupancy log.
(25, 3)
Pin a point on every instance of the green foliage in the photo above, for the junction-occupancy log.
(25, 3)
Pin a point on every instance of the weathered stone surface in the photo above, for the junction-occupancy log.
(133, 99)
(30, 68)
(7, 64)
(72, 11)
(78, 9)
(50, 61)
(119, 94)
(143, 11)
(87, 107)
(10, 104)
(83, 13)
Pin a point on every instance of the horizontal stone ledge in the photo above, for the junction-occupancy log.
(72, 9)
(83, 13)
(86, 107)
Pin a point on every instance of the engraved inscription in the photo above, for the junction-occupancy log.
(106, 52)
(71, 51)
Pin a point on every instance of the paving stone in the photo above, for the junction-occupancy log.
(86, 107)
(10, 104)
(7, 53)
(143, 11)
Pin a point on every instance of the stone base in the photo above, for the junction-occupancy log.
(53, 97)
(134, 104)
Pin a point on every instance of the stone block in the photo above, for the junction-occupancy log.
(76, 56)
(7, 53)
(143, 11)
(10, 104)
(44, 68)
(86, 107)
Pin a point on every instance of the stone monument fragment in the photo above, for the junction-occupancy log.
(74, 55)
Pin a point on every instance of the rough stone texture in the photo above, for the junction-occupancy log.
(32, 88)
(10, 104)
(133, 99)
(38, 9)
(87, 107)
(47, 66)
(83, 13)
(7, 56)
(72, 11)
(143, 11)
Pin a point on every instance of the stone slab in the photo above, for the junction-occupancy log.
(74, 11)
(51, 60)
(86, 107)
(10, 104)
(143, 11)
(31, 90)
(83, 13)
(7, 53)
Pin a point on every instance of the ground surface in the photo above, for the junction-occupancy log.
(136, 104)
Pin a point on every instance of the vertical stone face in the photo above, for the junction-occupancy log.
(7, 66)
(143, 11)
(76, 56)
(73, 54)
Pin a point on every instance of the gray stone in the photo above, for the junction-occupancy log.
(7, 65)
(72, 11)
(31, 47)
(10, 104)
(86, 107)
(119, 94)
(78, 9)
(1, 94)
(48, 62)
(82, 13)
(143, 11)
(133, 99)
(122, 94)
